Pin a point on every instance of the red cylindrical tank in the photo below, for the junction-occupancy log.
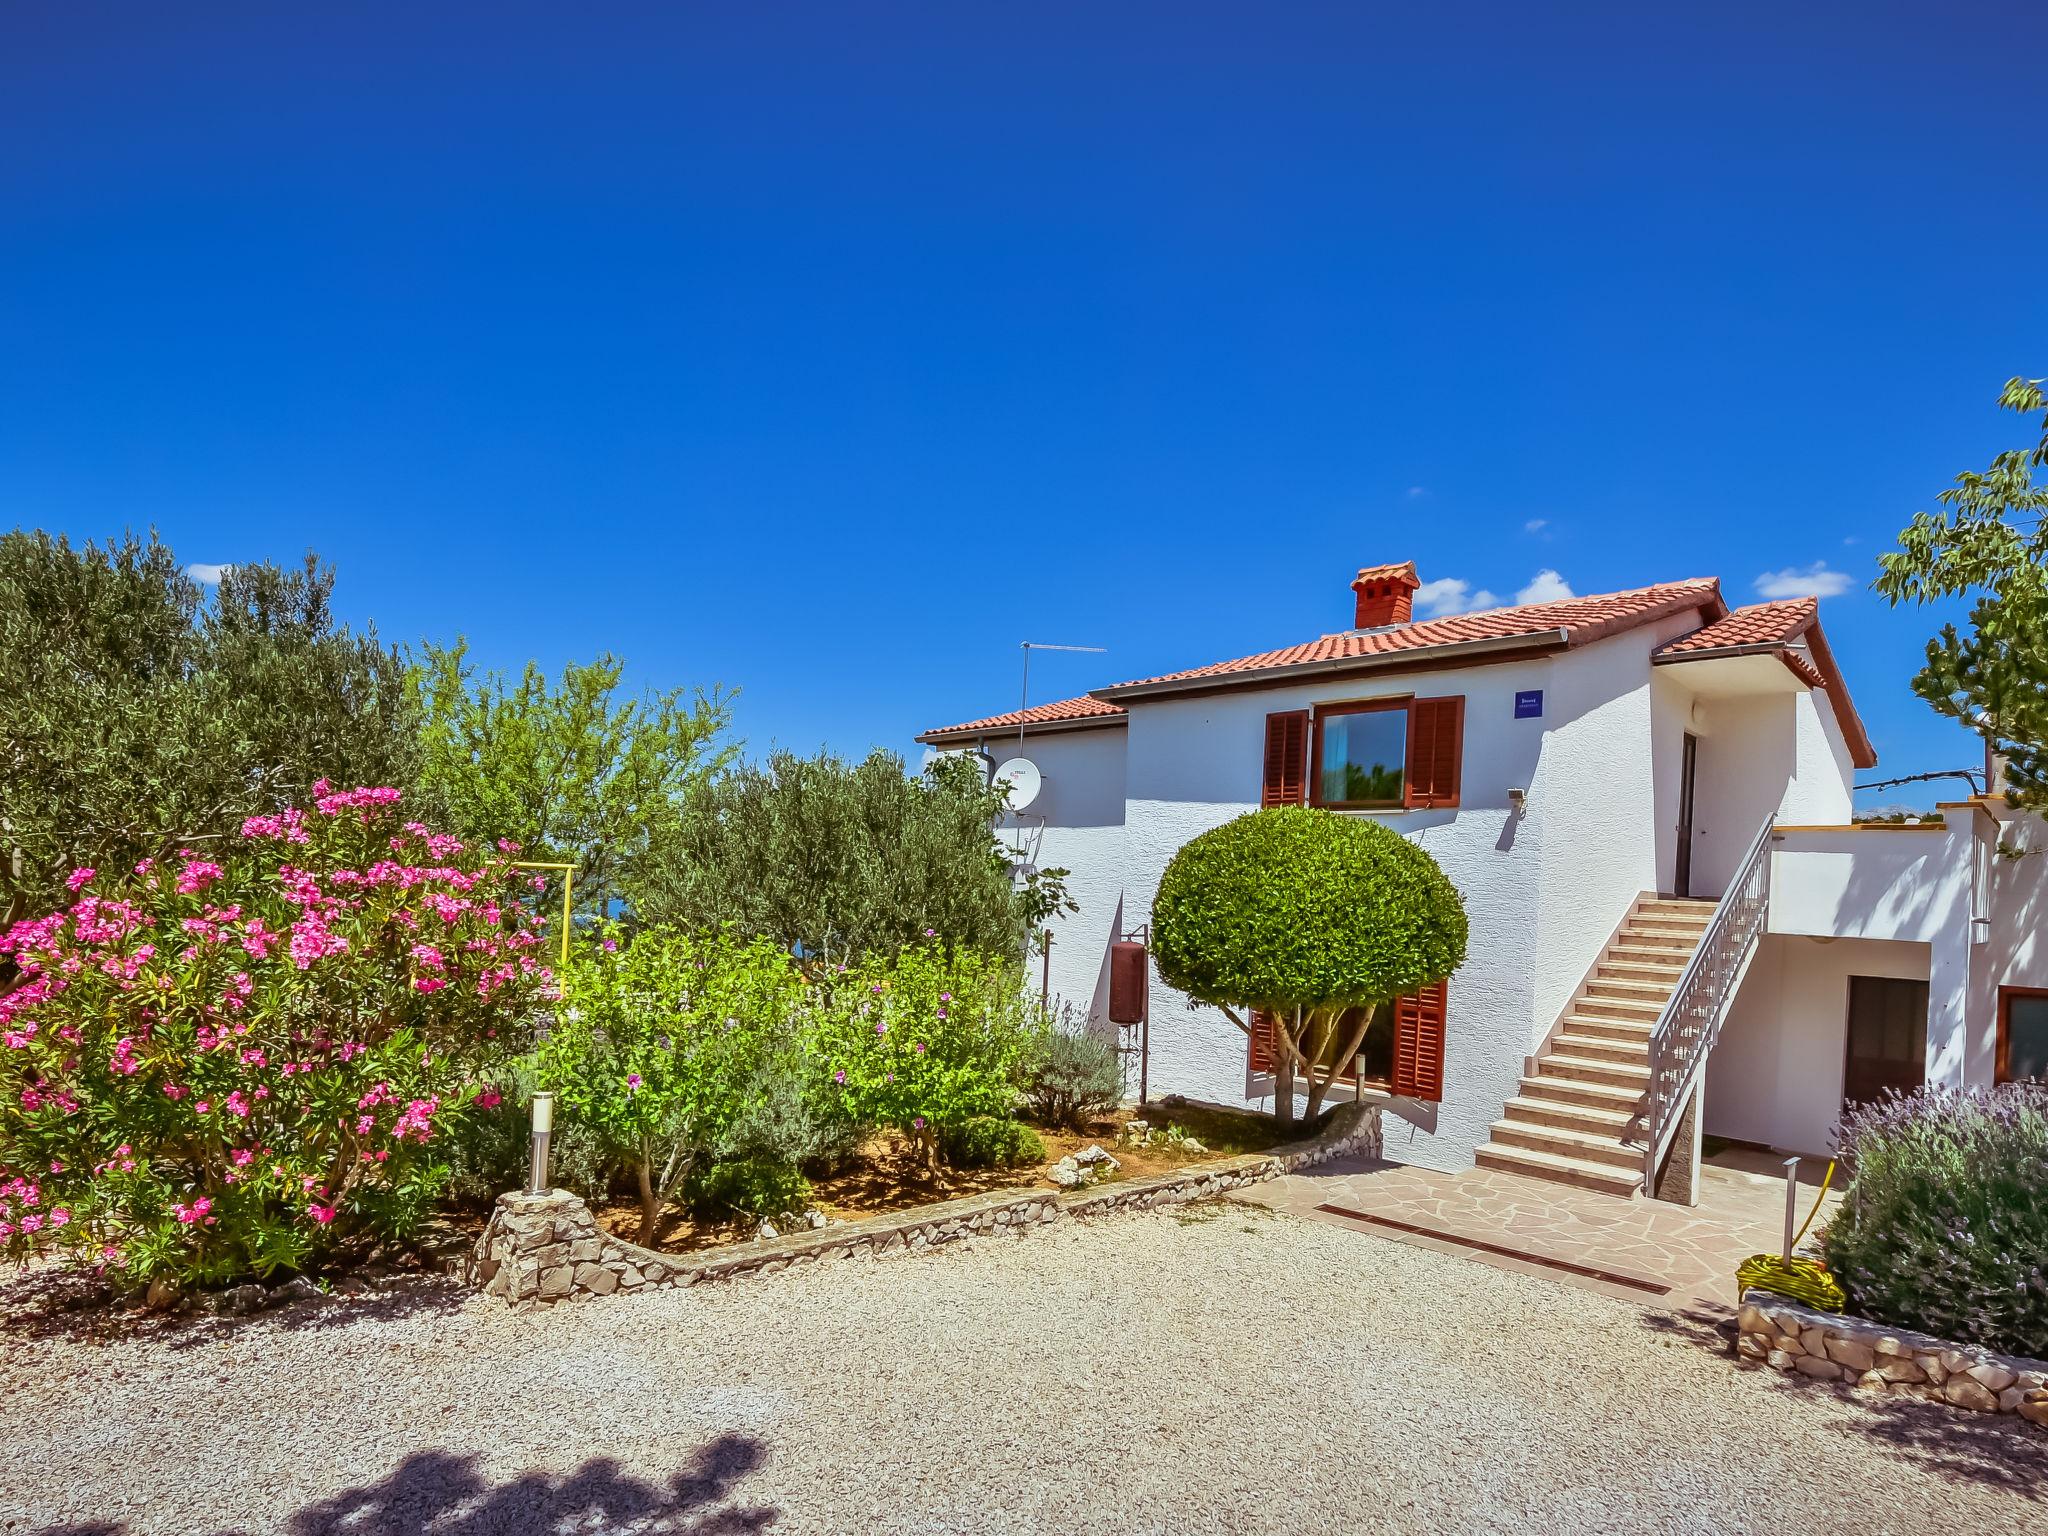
(1126, 982)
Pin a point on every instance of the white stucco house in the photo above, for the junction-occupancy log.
(1644, 799)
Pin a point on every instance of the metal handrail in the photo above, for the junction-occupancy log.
(1687, 1028)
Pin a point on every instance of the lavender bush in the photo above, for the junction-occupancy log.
(1945, 1223)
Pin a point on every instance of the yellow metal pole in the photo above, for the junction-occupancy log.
(568, 885)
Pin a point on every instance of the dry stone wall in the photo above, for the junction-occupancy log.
(1788, 1336)
(547, 1248)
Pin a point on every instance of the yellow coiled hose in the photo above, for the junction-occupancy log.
(1804, 1280)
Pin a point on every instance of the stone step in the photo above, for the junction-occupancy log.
(1663, 972)
(1662, 956)
(1638, 1031)
(1645, 1009)
(1658, 923)
(1629, 989)
(1576, 1146)
(1615, 1124)
(1580, 1069)
(1633, 941)
(1625, 1098)
(1594, 1048)
(1560, 1170)
(1684, 906)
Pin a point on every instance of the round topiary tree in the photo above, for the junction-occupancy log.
(1305, 915)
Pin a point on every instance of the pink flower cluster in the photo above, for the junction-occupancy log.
(332, 802)
(198, 1059)
(288, 825)
(196, 874)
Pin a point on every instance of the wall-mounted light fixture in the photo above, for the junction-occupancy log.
(1518, 800)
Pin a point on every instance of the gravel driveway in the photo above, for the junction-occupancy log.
(1220, 1369)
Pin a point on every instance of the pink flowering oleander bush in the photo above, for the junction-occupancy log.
(227, 1062)
(925, 1040)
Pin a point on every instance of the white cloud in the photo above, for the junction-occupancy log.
(1546, 586)
(1415, 491)
(207, 575)
(1451, 594)
(1815, 581)
(1536, 525)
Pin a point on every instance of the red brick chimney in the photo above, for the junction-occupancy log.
(1386, 594)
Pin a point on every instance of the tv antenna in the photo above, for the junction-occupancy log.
(1024, 699)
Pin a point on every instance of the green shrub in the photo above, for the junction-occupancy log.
(790, 1114)
(1944, 1227)
(225, 1064)
(1072, 1077)
(987, 1141)
(749, 1186)
(924, 1040)
(660, 1044)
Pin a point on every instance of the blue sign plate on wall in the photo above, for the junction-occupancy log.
(1529, 704)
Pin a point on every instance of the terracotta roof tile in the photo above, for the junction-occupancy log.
(1583, 619)
(1790, 629)
(1758, 624)
(1063, 712)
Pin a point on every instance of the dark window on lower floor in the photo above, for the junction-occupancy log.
(1887, 1037)
(2022, 1034)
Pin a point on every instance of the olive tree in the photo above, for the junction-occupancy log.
(1305, 915)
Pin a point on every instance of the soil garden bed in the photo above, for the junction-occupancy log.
(884, 1177)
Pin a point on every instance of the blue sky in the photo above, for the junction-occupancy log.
(829, 352)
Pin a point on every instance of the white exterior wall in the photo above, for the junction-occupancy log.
(1075, 824)
(1776, 1074)
(1595, 813)
(1543, 890)
(1823, 783)
(1747, 759)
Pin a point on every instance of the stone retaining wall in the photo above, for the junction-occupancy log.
(1787, 1336)
(544, 1248)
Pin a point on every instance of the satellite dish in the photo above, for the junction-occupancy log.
(1024, 780)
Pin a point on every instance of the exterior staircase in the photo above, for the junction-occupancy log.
(1579, 1116)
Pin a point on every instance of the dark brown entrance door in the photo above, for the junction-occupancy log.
(1681, 873)
(1887, 1037)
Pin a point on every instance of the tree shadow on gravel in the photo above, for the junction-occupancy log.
(1709, 1325)
(63, 1304)
(438, 1494)
(1992, 1450)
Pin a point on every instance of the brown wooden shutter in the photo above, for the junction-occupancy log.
(1286, 759)
(1436, 750)
(1419, 1044)
(1259, 1055)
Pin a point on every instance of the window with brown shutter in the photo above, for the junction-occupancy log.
(1259, 1049)
(1419, 1044)
(1412, 1067)
(1286, 781)
(1397, 754)
(1436, 749)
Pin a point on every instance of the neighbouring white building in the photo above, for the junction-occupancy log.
(1644, 799)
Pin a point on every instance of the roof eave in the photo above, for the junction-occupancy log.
(1716, 652)
(1419, 658)
(956, 737)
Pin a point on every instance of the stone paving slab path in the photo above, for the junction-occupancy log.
(1692, 1250)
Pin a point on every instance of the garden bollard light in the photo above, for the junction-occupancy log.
(543, 1125)
(1791, 1204)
